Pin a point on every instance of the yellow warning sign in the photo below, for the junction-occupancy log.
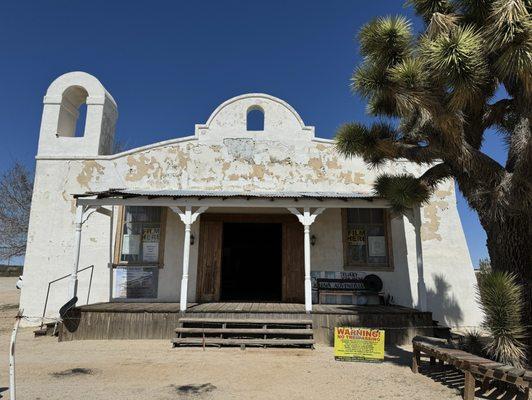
(358, 344)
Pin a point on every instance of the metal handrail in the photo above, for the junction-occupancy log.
(61, 278)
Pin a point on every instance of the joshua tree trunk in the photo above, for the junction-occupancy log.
(509, 248)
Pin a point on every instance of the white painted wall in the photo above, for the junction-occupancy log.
(221, 155)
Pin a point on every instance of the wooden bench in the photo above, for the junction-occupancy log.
(473, 367)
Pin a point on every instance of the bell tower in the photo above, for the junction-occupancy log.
(61, 112)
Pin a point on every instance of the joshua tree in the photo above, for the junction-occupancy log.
(436, 92)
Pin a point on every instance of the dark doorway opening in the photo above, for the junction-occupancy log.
(251, 262)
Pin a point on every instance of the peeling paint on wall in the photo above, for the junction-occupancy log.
(316, 164)
(442, 193)
(258, 172)
(143, 167)
(240, 148)
(348, 177)
(431, 225)
(333, 164)
(241, 164)
(90, 170)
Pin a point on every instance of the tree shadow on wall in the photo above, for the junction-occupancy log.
(443, 306)
(441, 303)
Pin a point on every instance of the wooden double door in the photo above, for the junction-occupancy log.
(209, 277)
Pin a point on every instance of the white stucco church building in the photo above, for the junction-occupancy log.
(252, 206)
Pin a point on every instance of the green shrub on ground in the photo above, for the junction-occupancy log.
(501, 300)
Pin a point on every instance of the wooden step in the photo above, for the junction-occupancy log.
(267, 331)
(239, 342)
(244, 332)
(188, 320)
(47, 329)
(40, 332)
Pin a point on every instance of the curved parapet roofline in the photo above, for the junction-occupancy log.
(259, 96)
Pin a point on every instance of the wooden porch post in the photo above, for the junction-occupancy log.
(110, 265)
(307, 219)
(308, 283)
(188, 218)
(421, 287)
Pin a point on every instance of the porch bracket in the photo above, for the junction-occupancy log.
(104, 211)
(307, 218)
(188, 218)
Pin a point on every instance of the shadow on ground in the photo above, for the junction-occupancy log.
(72, 372)
(454, 379)
(398, 356)
(194, 389)
(8, 307)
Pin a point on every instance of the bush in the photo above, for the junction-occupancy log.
(501, 300)
(473, 342)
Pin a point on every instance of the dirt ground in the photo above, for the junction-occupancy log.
(152, 369)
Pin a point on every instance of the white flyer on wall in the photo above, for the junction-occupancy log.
(376, 246)
(150, 251)
(131, 244)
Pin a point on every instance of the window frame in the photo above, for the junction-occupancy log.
(119, 239)
(389, 266)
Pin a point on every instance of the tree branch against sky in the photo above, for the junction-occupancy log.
(437, 90)
(15, 201)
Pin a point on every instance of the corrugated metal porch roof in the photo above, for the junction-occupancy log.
(125, 193)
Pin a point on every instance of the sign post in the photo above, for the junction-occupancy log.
(358, 344)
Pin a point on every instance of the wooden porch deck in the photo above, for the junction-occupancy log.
(120, 320)
(245, 307)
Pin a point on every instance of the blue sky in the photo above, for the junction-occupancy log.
(169, 64)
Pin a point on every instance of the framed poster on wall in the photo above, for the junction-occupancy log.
(135, 283)
(376, 246)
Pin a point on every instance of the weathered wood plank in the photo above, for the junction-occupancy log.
(246, 307)
(267, 331)
(245, 321)
(248, 342)
(469, 386)
(416, 359)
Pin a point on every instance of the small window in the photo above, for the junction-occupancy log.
(73, 112)
(141, 236)
(139, 252)
(366, 238)
(255, 119)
